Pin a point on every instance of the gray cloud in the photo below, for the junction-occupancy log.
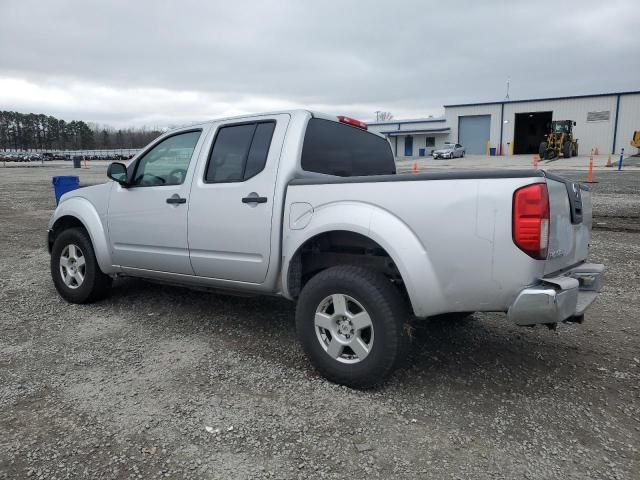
(203, 59)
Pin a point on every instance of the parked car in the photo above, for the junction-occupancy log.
(309, 207)
(450, 150)
(21, 157)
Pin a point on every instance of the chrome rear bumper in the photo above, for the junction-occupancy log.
(558, 298)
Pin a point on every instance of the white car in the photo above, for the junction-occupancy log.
(450, 150)
(309, 207)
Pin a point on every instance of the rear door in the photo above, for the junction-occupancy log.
(232, 197)
(570, 214)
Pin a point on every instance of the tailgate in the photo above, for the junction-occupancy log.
(570, 223)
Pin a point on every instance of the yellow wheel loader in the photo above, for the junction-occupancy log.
(560, 141)
(635, 141)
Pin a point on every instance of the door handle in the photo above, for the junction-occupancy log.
(176, 199)
(254, 198)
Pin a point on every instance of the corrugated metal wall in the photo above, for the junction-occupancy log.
(628, 122)
(590, 134)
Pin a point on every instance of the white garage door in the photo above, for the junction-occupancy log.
(473, 133)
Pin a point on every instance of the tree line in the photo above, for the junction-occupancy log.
(33, 131)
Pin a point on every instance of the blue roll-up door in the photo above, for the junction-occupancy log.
(474, 132)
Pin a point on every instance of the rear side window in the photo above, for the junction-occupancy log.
(239, 152)
(342, 150)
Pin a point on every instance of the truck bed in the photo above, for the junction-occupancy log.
(463, 222)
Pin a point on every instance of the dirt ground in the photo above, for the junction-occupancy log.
(163, 382)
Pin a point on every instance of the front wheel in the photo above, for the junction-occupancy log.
(351, 323)
(542, 151)
(74, 268)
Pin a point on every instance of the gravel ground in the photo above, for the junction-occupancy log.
(160, 381)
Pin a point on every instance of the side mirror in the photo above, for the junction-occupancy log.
(118, 173)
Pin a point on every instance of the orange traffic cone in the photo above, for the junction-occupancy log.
(609, 164)
(414, 168)
(590, 168)
(536, 159)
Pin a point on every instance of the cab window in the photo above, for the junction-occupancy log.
(239, 152)
(167, 162)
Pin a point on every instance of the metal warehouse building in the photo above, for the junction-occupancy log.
(604, 121)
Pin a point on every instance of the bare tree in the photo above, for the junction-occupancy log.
(383, 116)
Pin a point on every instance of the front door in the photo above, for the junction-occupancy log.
(408, 146)
(232, 200)
(148, 220)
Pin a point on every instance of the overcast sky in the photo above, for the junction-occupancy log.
(168, 63)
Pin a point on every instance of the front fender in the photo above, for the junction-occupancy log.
(81, 209)
(388, 231)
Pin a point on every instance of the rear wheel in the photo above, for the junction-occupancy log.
(74, 268)
(566, 150)
(351, 323)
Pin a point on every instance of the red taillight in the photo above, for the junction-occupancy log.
(531, 220)
(352, 121)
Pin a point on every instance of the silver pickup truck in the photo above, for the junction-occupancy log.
(309, 207)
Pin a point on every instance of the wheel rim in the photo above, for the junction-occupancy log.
(72, 266)
(344, 328)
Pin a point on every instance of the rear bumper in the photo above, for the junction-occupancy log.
(559, 298)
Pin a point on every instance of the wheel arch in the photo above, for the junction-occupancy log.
(79, 212)
(381, 229)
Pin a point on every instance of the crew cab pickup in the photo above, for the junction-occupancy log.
(309, 207)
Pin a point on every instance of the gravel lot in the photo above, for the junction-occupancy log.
(160, 381)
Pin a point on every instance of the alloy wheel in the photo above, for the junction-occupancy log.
(344, 328)
(72, 266)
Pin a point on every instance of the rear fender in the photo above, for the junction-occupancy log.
(388, 231)
(81, 209)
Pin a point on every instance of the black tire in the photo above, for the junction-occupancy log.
(95, 284)
(542, 150)
(566, 150)
(388, 313)
(575, 151)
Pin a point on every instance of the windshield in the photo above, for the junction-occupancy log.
(560, 128)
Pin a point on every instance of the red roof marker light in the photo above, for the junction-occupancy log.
(353, 122)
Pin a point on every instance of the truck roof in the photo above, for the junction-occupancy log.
(293, 112)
